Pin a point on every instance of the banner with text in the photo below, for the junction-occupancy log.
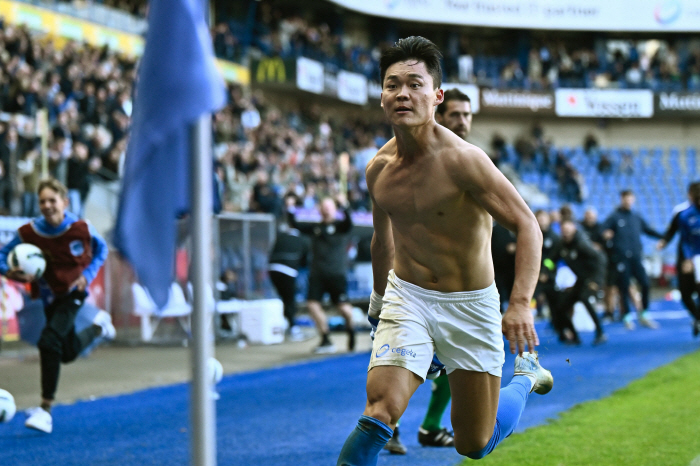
(580, 15)
(677, 104)
(613, 103)
(517, 102)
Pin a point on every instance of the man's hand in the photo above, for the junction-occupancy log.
(687, 266)
(80, 284)
(608, 234)
(660, 245)
(519, 328)
(20, 276)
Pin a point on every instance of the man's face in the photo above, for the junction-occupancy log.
(544, 221)
(628, 201)
(52, 206)
(328, 210)
(408, 96)
(590, 217)
(457, 118)
(568, 230)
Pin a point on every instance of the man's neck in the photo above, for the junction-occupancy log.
(414, 141)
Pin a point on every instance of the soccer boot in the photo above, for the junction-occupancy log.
(40, 419)
(529, 365)
(104, 321)
(326, 346)
(645, 321)
(394, 444)
(436, 438)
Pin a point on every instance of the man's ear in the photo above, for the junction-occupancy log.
(381, 102)
(439, 96)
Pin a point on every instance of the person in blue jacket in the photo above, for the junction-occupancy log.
(689, 228)
(74, 253)
(686, 280)
(623, 230)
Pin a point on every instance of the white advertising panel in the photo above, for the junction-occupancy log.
(352, 87)
(309, 75)
(581, 15)
(613, 103)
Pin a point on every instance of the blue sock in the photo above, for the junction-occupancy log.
(364, 443)
(511, 404)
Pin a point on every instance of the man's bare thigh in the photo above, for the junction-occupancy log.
(474, 402)
(389, 388)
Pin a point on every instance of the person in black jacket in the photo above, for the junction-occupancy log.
(589, 267)
(551, 244)
(329, 266)
(288, 254)
(503, 254)
(625, 227)
(686, 279)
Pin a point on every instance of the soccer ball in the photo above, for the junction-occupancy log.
(7, 406)
(27, 258)
(215, 370)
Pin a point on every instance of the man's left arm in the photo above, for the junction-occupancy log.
(345, 225)
(99, 255)
(500, 199)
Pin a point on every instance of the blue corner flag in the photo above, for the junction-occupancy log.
(177, 83)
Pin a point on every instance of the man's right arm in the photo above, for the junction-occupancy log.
(305, 228)
(382, 248)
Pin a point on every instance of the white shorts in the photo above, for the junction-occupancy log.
(463, 329)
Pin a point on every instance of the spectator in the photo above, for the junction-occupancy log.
(624, 228)
(589, 267)
(78, 179)
(288, 255)
(11, 152)
(328, 269)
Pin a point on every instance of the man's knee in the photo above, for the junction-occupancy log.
(472, 445)
(384, 409)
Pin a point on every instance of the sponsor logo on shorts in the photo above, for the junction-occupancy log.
(385, 348)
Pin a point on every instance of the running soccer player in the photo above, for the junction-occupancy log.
(684, 265)
(455, 114)
(74, 253)
(433, 198)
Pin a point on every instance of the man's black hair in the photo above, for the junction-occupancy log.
(452, 94)
(416, 48)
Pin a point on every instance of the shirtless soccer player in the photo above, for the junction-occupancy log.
(434, 196)
(455, 114)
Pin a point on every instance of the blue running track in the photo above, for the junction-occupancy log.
(300, 415)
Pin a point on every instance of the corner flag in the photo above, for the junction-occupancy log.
(177, 83)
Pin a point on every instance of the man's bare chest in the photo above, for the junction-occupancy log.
(406, 194)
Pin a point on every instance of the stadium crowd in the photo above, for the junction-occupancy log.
(262, 154)
(86, 94)
(538, 62)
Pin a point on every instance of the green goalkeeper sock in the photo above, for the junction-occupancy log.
(438, 403)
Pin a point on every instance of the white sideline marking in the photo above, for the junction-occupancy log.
(696, 461)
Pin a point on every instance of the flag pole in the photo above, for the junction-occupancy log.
(202, 402)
